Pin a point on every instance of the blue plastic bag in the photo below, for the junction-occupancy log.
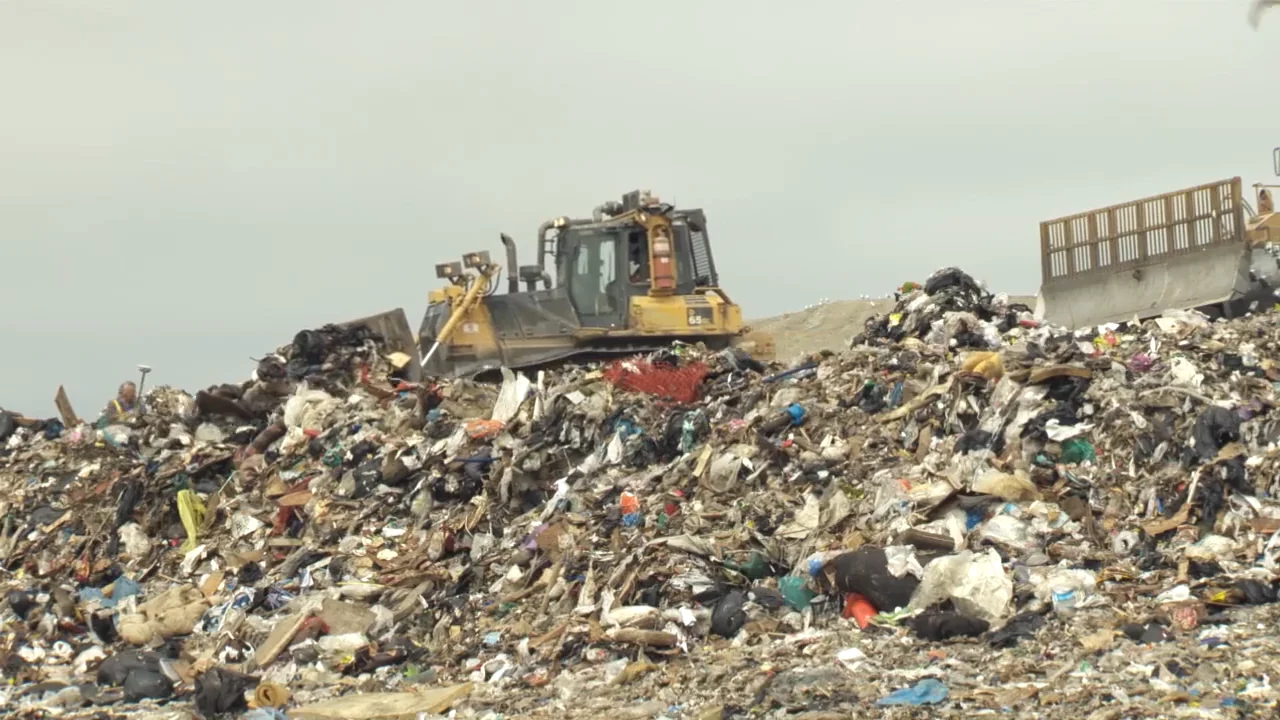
(926, 692)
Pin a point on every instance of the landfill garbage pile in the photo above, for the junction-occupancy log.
(1006, 519)
(950, 309)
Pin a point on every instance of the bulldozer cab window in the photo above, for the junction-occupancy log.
(638, 257)
(593, 279)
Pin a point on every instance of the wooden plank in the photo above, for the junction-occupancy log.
(1092, 229)
(1237, 210)
(1069, 239)
(1192, 214)
(1171, 227)
(1113, 239)
(1141, 238)
(60, 401)
(1215, 205)
(1161, 196)
(1181, 223)
(1046, 262)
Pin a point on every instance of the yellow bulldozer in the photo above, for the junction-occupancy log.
(636, 276)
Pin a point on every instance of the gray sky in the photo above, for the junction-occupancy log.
(187, 184)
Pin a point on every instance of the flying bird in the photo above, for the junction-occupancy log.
(1255, 10)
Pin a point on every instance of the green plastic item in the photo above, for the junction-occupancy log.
(754, 568)
(795, 592)
(333, 456)
(1076, 451)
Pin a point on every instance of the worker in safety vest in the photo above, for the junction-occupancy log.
(125, 404)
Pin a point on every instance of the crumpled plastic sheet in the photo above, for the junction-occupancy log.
(975, 583)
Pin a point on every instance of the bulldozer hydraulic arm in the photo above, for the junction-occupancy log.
(478, 288)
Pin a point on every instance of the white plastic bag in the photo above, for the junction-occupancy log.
(515, 389)
(975, 584)
(309, 409)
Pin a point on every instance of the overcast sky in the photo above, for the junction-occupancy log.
(186, 184)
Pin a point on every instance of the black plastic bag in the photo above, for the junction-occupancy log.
(937, 625)
(1214, 428)
(1036, 427)
(115, 669)
(870, 399)
(249, 573)
(952, 278)
(973, 440)
(728, 617)
(1148, 634)
(1255, 592)
(147, 684)
(866, 571)
(220, 691)
(21, 602)
(767, 598)
(138, 672)
(1022, 625)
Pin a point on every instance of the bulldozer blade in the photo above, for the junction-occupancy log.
(394, 328)
(1209, 276)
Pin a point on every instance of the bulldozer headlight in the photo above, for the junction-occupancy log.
(449, 270)
(475, 260)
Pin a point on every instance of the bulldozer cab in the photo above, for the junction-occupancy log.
(604, 265)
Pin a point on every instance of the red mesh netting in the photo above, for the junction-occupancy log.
(680, 384)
